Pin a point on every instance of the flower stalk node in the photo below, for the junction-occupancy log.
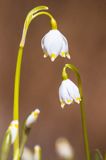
(53, 23)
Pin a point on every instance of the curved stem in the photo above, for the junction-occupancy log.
(16, 98)
(28, 20)
(31, 15)
(82, 107)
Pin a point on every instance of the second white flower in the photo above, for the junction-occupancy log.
(68, 92)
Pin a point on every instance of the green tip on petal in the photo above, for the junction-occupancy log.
(69, 101)
(53, 57)
(63, 54)
(36, 113)
(78, 99)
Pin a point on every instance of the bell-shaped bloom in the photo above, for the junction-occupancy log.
(53, 44)
(32, 118)
(68, 92)
(13, 130)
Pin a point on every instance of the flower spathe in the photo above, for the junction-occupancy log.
(53, 44)
(68, 92)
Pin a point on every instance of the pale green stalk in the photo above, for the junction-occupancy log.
(31, 15)
(82, 107)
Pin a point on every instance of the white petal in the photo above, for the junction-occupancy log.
(68, 55)
(64, 95)
(53, 42)
(64, 49)
(42, 43)
(73, 91)
(61, 100)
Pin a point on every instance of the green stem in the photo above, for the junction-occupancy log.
(82, 107)
(31, 15)
(16, 97)
(5, 148)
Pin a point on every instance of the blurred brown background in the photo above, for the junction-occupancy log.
(84, 25)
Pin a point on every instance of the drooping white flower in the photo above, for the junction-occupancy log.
(68, 92)
(32, 118)
(14, 130)
(53, 44)
(64, 149)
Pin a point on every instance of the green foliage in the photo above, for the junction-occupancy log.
(5, 148)
(98, 155)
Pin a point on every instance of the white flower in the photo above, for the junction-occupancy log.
(32, 118)
(53, 44)
(68, 92)
(64, 148)
(14, 130)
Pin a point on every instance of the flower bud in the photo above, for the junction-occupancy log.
(64, 149)
(32, 118)
(37, 152)
(14, 130)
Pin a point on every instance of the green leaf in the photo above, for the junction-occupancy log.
(5, 146)
(98, 155)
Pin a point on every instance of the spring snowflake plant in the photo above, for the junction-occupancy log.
(53, 44)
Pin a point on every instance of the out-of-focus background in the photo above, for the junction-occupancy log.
(84, 25)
